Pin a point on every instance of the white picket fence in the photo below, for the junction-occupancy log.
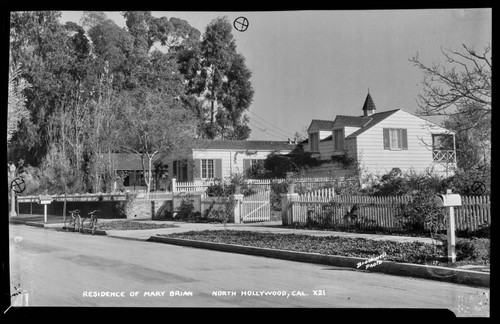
(376, 212)
(320, 195)
(154, 195)
(192, 186)
(256, 208)
(261, 185)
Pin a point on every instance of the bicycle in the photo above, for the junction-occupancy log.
(92, 220)
(75, 219)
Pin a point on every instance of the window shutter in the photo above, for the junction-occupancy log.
(197, 169)
(341, 134)
(218, 168)
(246, 164)
(174, 169)
(387, 145)
(404, 139)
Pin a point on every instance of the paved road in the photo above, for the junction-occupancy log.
(68, 269)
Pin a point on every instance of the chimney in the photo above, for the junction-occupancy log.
(369, 106)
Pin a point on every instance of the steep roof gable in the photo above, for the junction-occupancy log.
(321, 124)
(372, 121)
(350, 121)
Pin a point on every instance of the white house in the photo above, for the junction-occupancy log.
(384, 140)
(219, 159)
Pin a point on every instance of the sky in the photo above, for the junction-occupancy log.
(319, 64)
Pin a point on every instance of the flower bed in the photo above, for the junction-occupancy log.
(468, 251)
(129, 225)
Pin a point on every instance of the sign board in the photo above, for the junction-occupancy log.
(44, 200)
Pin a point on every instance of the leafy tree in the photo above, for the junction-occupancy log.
(461, 91)
(218, 77)
(151, 123)
(38, 43)
(114, 45)
(17, 101)
(92, 18)
(170, 33)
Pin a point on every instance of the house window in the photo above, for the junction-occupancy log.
(207, 169)
(126, 179)
(254, 162)
(313, 142)
(395, 139)
(338, 140)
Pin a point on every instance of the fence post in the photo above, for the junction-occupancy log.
(287, 207)
(174, 185)
(238, 198)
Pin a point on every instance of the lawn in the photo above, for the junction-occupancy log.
(475, 252)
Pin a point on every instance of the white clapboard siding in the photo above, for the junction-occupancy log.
(418, 156)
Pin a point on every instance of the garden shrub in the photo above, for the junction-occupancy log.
(475, 249)
(482, 232)
(185, 211)
(218, 189)
(275, 196)
(223, 213)
(421, 214)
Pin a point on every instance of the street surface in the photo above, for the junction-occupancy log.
(58, 268)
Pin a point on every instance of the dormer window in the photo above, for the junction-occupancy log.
(314, 142)
(338, 140)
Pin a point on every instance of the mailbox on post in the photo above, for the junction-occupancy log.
(449, 201)
(44, 200)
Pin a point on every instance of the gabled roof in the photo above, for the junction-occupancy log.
(372, 120)
(242, 145)
(350, 121)
(321, 124)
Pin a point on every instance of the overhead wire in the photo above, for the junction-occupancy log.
(268, 128)
(268, 131)
(271, 125)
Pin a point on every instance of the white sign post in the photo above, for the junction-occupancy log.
(45, 200)
(450, 201)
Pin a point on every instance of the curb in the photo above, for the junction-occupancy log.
(36, 224)
(459, 276)
(20, 222)
(84, 230)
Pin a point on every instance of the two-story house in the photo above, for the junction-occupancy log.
(380, 141)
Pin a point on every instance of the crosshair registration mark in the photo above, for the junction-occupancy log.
(240, 24)
(478, 188)
(18, 185)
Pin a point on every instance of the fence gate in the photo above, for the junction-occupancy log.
(256, 208)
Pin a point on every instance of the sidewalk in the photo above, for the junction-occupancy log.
(267, 227)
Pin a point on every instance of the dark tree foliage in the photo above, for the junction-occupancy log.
(217, 77)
